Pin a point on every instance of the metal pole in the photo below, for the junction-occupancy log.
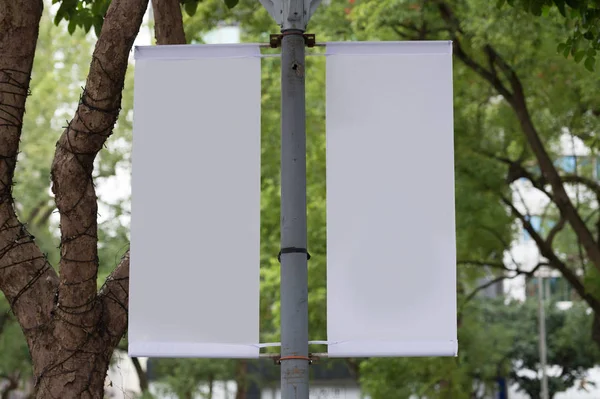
(294, 272)
(292, 16)
(542, 321)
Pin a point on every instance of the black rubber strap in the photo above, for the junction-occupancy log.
(293, 250)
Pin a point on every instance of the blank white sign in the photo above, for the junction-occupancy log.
(194, 283)
(391, 253)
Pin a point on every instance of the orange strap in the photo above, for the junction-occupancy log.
(295, 358)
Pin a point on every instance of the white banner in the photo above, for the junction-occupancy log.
(391, 253)
(194, 284)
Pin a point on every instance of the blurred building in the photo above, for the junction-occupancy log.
(531, 202)
(524, 252)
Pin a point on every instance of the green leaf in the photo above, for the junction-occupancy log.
(589, 63)
(566, 51)
(500, 3)
(545, 10)
(561, 47)
(573, 3)
(579, 55)
(57, 18)
(536, 8)
(98, 21)
(87, 23)
(591, 52)
(231, 3)
(99, 7)
(72, 25)
(60, 15)
(560, 4)
(191, 7)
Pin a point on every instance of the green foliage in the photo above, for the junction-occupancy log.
(14, 354)
(583, 19)
(497, 340)
(231, 3)
(85, 14)
(569, 345)
(192, 377)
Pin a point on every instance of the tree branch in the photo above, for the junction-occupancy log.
(82, 139)
(142, 376)
(516, 99)
(584, 181)
(496, 265)
(488, 74)
(114, 296)
(554, 231)
(168, 22)
(502, 266)
(547, 252)
(486, 285)
(26, 278)
(560, 196)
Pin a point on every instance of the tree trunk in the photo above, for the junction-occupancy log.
(78, 375)
(70, 327)
(241, 379)
(168, 22)
(142, 376)
(211, 381)
(13, 384)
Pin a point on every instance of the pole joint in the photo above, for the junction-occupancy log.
(310, 39)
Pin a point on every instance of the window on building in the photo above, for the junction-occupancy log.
(540, 224)
(571, 164)
(536, 223)
(567, 164)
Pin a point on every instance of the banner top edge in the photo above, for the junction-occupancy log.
(196, 51)
(389, 47)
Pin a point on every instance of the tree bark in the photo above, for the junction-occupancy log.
(26, 278)
(71, 329)
(168, 22)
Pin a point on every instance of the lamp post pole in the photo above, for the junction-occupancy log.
(542, 333)
(292, 16)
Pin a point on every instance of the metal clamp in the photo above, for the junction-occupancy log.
(311, 358)
(293, 250)
(310, 39)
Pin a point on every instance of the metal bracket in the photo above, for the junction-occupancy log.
(291, 14)
(310, 40)
(312, 358)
